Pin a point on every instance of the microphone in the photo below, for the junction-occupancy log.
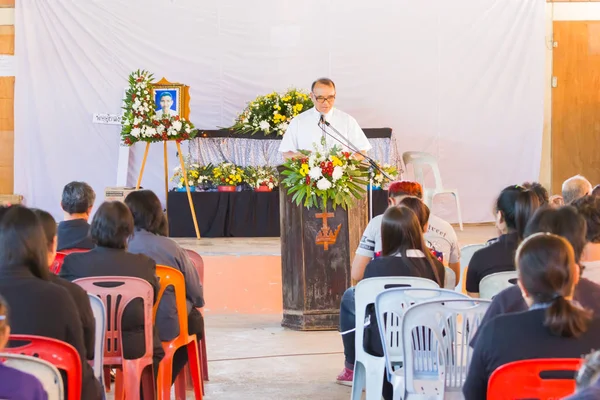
(322, 120)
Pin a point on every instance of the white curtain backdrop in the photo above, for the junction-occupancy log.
(461, 79)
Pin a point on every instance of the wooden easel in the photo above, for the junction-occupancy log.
(183, 171)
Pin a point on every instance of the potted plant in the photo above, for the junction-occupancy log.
(261, 179)
(193, 176)
(379, 180)
(227, 176)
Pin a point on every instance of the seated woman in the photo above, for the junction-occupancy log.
(39, 307)
(111, 227)
(589, 208)
(553, 327)
(403, 254)
(15, 384)
(80, 296)
(514, 207)
(150, 238)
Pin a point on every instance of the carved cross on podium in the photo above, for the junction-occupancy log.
(326, 237)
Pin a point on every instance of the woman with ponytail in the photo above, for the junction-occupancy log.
(553, 327)
(514, 207)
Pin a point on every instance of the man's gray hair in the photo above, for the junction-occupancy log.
(575, 188)
(77, 198)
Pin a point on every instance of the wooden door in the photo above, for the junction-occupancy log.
(576, 102)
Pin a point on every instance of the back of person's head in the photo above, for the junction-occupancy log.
(589, 372)
(563, 221)
(77, 198)
(516, 205)
(547, 275)
(48, 224)
(400, 232)
(589, 208)
(112, 225)
(574, 188)
(539, 190)
(596, 191)
(405, 188)
(4, 323)
(23, 242)
(147, 211)
(419, 208)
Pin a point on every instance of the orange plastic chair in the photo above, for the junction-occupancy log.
(523, 379)
(60, 258)
(172, 277)
(60, 354)
(131, 373)
(199, 265)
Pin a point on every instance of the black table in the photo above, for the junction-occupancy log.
(237, 214)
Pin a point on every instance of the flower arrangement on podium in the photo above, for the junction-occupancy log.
(321, 176)
(379, 180)
(272, 113)
(227, 176)
(261, 179)
(140, 121)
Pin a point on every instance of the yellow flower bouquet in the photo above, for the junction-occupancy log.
(227, 176)
(272, 113)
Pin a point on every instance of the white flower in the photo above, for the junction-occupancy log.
(136, 104)
(337, 173)
(171, 132)
(160, 129)
(264, 125)
(145, 104)
(150, 131)
(177, 125)
(315, 173)
(283, 126)
(187, 129)
(135, 132)
(323, 184)
(137, 121)
(312, 160)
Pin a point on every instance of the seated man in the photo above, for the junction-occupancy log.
(589, 208)
(77, 202)
(575, 188)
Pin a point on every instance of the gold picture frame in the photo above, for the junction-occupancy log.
(179, 95)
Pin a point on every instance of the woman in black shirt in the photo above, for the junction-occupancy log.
(553, 327)
(514, 207)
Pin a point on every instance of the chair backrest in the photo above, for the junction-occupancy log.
(46, 373)
(122, 290)
(366, 292)
(493, 284)
(100, 317)
(419, 161)
(449, 279)
(436, 336)
(60, 354)
(527, 379)
(172, 277)
(466, 253)
(198, 263)
(390, 307)
(60, 258)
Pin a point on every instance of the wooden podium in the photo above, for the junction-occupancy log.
(316, 253)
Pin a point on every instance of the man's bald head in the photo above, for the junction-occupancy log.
(575, 188)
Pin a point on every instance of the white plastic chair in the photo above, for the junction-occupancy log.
(493, 284)
(369, 369)
(100, 317)
(436, 336)
(466, 253)
(390, 307)
(419, 160)
(449, 279)
(46, 373)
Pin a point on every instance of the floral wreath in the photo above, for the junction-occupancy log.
(140, 123)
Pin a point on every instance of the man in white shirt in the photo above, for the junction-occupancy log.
(166, 101)
(305, 130)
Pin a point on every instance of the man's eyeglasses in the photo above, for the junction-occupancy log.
(322, 99)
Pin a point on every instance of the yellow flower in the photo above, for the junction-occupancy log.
(336, 161)
(299, 107)
(238, 177)
(304, 169)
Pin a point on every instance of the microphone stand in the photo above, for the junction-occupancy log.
(372, 163)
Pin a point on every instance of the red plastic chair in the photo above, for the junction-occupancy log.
(60, 258)
(522, 380)
(171, 277)
(60, 354)
(199, 265)
(115, 299)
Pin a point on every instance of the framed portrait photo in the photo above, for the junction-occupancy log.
(171, 99)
